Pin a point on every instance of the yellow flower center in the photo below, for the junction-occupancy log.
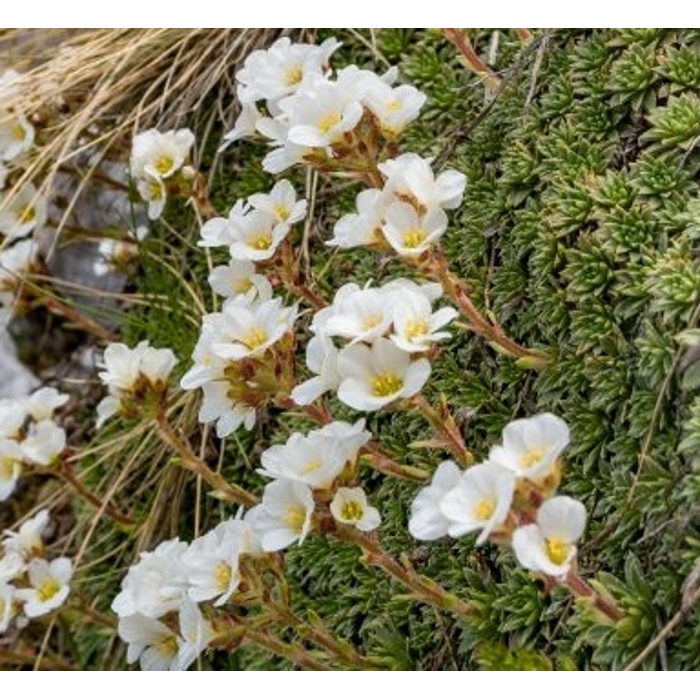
(386, 384)
(557, 550)
(18, 131)
(532, 456)
(371, 321)
(331, 120)
(261, 240)
(394, 106)
(352, 511)
(242, 286)
(311, 467)
(255, 338)
(294, 518)
(293, 76)
(413, 237)
(485, 508)
(47, 589)
(27, 215)
(164, 164)
(281, 212)
(167, 646)
(416, 328)
(155, 190)
(7, 468)
(222, 576)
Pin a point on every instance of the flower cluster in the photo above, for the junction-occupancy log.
(29, 435)
(407, 215)
(244, 356)
(30, 585)
(136, 379)
(158, 606)
(159, 166)
(509, 498)
(308, 473)
(289, 96)
(388, 332)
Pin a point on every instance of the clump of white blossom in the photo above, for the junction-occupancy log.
(29, 435)
(31, 585)
(159, 166)
(542, 528)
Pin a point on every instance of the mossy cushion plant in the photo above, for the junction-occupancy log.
(576, 244)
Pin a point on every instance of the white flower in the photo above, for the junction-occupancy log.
(321, 359)
(364, 227)
(315, 460)
(11, 566)
(217, 406)
(374, 377)
(7, 605)
(207, 366)
(531, 446)
(156, 585)
(321, 115)
(416, 327)
(219, 231)
(154, 192)
(44, 442)
(150, 641)
(549, 546)
(123, 365)
(27, 540)
(157, 647)
(10, 467)
(409, 175)
(157, 155)
(249, 330)
(212, 568)
(281, 204)
(284, 516)
(480, 500)
(12, 418)
(43, 402)
(22, 212)
(356, 314)
(49, 581)
(410, 234)
(394, 107)
(16, 136)
(244, 127)
(255, 236)
(239, 278)
(349, 507)
(281, 69)
(427, 521)
(115, 252)
(15, 261)
(350, 436)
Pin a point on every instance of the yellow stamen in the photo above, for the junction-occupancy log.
(352, 511)
(413, 237)
(281, 212)
(18, 131)
(242, 286)
(371, 321)
(255, 338)
(311, 467)
(261, 240)
(532, 456)
(416, 328)
(27, 215)
(222, 576)
(293, 76)
(47, 589)
(7, 468)
(485, 508)
(386, 384)
(167, 646)
(557, 550)
(164, 164)
(331, 120)
(394, 106)
(155, 190)
(294, 518)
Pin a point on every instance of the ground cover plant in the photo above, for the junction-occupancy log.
(386, 356)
